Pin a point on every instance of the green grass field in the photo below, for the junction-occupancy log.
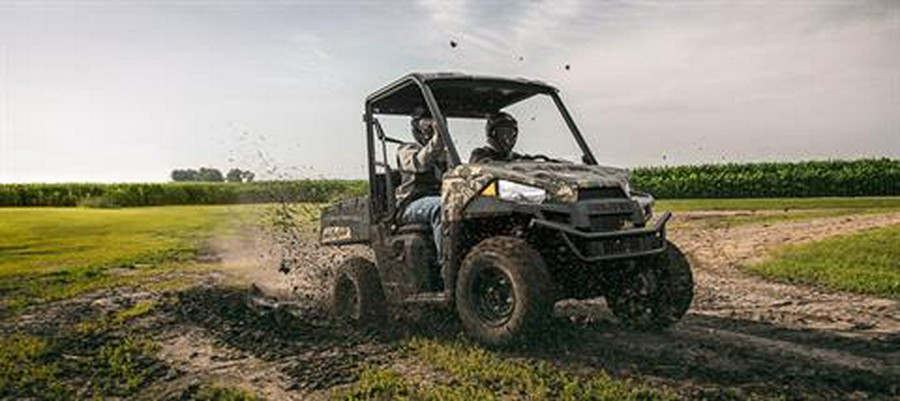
(48, 254)
(54, 239)
(865, 263)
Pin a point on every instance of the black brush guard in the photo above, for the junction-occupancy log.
(611, 245)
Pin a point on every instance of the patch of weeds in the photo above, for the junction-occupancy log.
(26, 368)
(482, 375)
(124, 366)
(381, 383)
(97, 358)
(113, 321)
(137, 310)
(61, 368)
(176, 284)
(209, 392)
(22, 291)
(535, 380)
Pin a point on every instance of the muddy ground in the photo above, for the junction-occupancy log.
(744, 335)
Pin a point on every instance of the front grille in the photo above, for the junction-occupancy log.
(623, 245)
(607, 223)
(601, 193)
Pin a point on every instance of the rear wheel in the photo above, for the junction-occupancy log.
(357, 296)
(654, 294)
(503, 291)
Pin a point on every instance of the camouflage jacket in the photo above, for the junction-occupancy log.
(420, 168)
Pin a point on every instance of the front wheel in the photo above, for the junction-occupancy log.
(655, 293)
(503, 291)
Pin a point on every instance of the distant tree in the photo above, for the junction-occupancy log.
(238, 175)
(234, 175)
(210, 174)
(204, 174)
(184, 175)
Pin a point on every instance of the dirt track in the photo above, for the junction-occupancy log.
(743, 335)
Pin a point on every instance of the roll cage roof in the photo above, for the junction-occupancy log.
(461, 96)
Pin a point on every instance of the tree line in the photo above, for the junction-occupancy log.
(207, 174)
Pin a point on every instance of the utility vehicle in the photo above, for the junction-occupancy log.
(517, 236)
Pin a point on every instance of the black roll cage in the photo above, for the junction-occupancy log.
(422, 82)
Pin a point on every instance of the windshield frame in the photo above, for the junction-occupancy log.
(423, 82)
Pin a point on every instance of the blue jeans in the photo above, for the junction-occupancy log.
(426, 210)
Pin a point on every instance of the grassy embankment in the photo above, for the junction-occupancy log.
(864, 263)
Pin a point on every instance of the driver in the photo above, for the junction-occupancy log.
(421, 166)
(502, 131)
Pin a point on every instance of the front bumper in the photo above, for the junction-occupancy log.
(611, 245)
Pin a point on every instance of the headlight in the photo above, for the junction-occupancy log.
(515, 192)
(645, 201)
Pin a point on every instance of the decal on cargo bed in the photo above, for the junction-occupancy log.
(336, 233)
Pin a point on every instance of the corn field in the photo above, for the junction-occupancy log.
(865, 177)
(193, 193)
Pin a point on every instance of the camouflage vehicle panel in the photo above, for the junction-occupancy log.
(562, 181)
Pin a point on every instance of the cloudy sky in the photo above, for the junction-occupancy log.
(127, 91)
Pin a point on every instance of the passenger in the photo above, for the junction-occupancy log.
(502, 131)
(421, 167)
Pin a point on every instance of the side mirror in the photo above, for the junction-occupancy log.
(585, 159)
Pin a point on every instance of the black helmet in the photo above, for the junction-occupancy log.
(420, 131)
(502, 131)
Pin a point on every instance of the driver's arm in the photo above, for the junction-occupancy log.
(419, 159)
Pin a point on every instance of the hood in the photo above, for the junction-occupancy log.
(550, 175)
(561, 180)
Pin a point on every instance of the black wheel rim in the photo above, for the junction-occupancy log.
(347, 300)
(493, 294)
